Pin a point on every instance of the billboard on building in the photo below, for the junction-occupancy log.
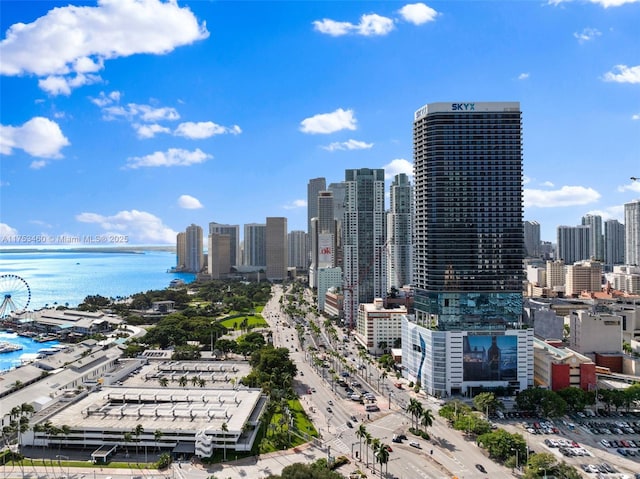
(325, 250)
(490, 358)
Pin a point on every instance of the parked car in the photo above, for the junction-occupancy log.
(415, 444)
(481, 468)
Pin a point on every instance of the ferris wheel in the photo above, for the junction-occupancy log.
(14, 293)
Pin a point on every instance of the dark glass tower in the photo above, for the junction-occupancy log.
(468, 230)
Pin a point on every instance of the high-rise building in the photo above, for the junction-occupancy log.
(218, 256)
(556, 276)
(339, 191)
(234, 236)
(363, 240)
(255, 245)
(276, 242)
(632, 233)
(532, 239)
(574, 243)
(596, 239)
(468, 230)
(181, 251)
(315, 186)
(613, 244)
(297, 249)
(323, 237)
(399, 241)
(468, 251)
(194, 247)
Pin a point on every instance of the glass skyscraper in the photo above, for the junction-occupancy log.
(468, 229)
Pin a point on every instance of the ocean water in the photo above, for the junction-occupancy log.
(29, 346)
(65, 277)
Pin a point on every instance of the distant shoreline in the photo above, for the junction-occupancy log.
(89, 249)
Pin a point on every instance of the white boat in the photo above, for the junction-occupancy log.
(6, 347)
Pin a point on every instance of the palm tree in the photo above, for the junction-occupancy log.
(157, 435)
(414, 408)
(194, 381)
(367, 439)
(383, 457)
(426, 419)
(137, 432)
(375, 446)
(360, 433)
(225, 429)
(164, 382)
(127, 436)
(182, 382)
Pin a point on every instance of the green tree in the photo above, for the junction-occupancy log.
(540, 465)
(576, 398)
(487, 403)
(382, 456)
(502, 445)
(453, 409)
(426, 419)
(360, 433)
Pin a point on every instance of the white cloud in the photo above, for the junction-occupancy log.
(418, 13)
(37, 164)
(565, 196)
(106, 99)
(548, 184)
(603, 3)
(374, 25)
(523, 76)
(68, 45)
(333, 28)
(347, 145)
(6, 230)
(633, 185)
(329, 122)
(399, 165)
(140, 226)
(189, 202)
(146, 113)
(59, 85)
(609, 213)
(171, 157)
(623, 74)
(295, 204)
(635, 117)
(39, 137)
(370, 25)
(149, 131)
(587, 34)
(204, 129)
(526, 179)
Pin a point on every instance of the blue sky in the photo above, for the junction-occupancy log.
(139, 118)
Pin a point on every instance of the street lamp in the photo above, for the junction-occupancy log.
(516, 451)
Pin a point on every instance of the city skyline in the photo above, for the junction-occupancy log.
(223, 112)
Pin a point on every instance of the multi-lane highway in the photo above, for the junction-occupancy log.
(338, 418)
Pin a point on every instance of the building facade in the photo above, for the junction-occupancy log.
(574, 243)
(379, 328)
(194, 261)
(298, 253)
(596, 239)
(363, 240)
(276, 244)
(532, 239)
(181, 251)
(632, 233)
(613, 244)
(234, 237)
(399, 233)
(219, 255)
(255, 244)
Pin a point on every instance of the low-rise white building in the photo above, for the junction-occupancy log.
(379, 328)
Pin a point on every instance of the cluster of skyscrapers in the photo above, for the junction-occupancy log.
(456, 238)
